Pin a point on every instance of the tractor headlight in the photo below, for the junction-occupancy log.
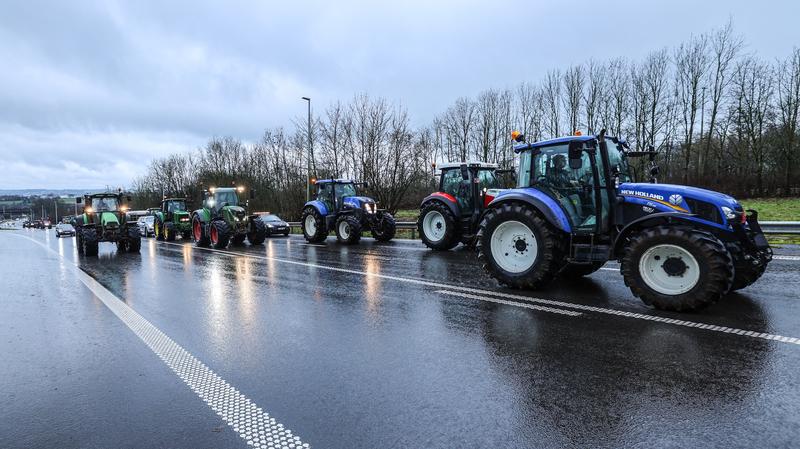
(370, 208)
(730, 214)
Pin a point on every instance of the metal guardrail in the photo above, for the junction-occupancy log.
(769, 227)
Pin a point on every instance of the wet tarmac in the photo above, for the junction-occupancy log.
(377, 346)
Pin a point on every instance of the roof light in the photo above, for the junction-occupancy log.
(517, 136)
(578, 132)
(240, 189)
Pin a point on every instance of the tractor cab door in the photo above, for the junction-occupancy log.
(325, 196)
(453, 183)
(572, 187)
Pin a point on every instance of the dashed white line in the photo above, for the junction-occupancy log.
(510, 303)
(251, 422)
(487, 293)
(786, 257)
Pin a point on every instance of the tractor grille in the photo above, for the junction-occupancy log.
(706, 211)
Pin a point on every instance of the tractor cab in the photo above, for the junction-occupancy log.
(174, 206)
(216, 198)
(340, 194)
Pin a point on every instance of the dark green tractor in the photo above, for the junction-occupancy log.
(172, 219)
(104, 219)
(224, 219)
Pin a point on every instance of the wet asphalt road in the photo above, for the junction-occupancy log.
(382, 345)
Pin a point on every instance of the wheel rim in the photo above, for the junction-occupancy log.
(156, 230)
(344, 230)
(311, 225)
(434, 226)
(669, 269)
(514, 246)
(196, 230)
(214, 235)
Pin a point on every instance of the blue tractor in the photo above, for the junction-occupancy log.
(339, 208)
(575, 207)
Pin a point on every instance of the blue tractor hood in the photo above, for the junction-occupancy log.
(675, 194)
(357, 202)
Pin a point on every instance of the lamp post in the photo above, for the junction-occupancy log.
(310, 151)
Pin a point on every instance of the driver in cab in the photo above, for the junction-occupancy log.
(558, 176)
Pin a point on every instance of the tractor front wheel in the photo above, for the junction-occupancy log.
(257, 233)
(219, 234)
(518, 247)
(134, 240)
(313, 225)
(158, 229)
(385, 228)
(169, 231)
(437, 227)
(198, 233)
(89, 241)
(676, 268)
(348, 229)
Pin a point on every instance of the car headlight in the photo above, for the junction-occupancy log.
(730, 214)
(270, 226)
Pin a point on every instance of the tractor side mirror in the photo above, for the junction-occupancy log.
(575, 153)
(78, 200)
(464, 172)
(252, 194)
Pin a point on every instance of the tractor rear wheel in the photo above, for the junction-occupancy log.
(518, 247)
(437, 226)
(134, 240)
(158, 229)
(169, 231)
(385, 229)
(89, 240)
(257, 233)
(219, 234)
(348, 229)
(199, 235)
(677, 268)
(313, 225)
(575, 270)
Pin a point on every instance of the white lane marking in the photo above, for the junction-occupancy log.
(786, 257)
(510, 303)
(609, 269)
(251, 422)
(549, 302)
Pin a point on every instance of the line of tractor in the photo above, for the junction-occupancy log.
(574, 207)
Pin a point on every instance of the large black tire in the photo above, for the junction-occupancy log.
(348, 229)
(746, 272)
(91, 246)
(169, 231)
(452, 234)
(715, 267)
(219, 234)
(238, 239)
(79, 239)
(158, 229)
(257, 233)
(134, 240)
(386, 228)
(546, 259)
(199, 233)
(186, 235)
(575, 270)
(320, 232)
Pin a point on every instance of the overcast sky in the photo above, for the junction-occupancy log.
(91, 91)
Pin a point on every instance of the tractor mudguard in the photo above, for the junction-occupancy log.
(658, 219)
(203, 214)
(544, 204)
(444, 198)
(318, 205)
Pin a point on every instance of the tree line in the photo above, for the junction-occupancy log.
(719, 117)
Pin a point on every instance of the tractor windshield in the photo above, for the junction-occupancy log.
(618, 161)
(105, 204)
(487, 179)
(176, 206)
(343, 190)
(226, 198)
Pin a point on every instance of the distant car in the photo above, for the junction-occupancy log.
(63, 229)
(275, 225)
(146, 225)
(37, 224)
(26, 224)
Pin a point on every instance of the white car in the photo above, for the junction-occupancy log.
(146, 225)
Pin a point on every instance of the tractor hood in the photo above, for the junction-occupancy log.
(108, 219)
(236, 212)
(357, 202)
(675, 195)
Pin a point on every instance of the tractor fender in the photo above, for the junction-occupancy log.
(547, 206)
(203, 215)
(160, 216)
(318, 205)
(444, 198)
(658, 218)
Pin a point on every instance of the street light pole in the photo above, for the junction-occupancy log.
(310, 152)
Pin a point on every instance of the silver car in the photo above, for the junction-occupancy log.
(63, 229)
(146, 226)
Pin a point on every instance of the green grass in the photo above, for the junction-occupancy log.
(775, 209)
(406, 215)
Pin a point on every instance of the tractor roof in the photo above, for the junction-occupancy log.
(477, 164)
(103, 195)
(174, 199)
(546, 143)
(335, 181)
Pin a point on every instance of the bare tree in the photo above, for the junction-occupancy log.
(788, 93)
(691, 65)
(574, 80)
(753, 83)
(551, 95)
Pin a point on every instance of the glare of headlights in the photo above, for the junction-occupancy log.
(729, 213)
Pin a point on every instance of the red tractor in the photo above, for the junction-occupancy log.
(451, 215)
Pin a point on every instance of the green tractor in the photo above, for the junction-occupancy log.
(104, 219)
(223, 219)
(172, 219)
